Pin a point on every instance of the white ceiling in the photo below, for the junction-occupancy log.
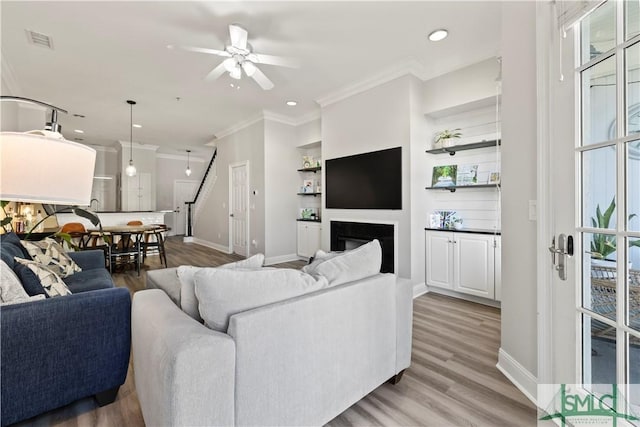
(107, 52)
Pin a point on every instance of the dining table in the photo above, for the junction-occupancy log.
(124, 243)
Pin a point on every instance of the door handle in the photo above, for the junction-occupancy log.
(560, 253)
(231, 215)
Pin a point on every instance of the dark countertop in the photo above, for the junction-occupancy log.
(465, 230)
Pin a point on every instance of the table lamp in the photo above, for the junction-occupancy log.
(42, 167)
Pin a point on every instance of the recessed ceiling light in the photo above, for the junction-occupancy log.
(438, 35)
(78, 131)
(137, 126)
(292, 103)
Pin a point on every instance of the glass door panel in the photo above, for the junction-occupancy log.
(632, 62)
(599, 188)
(598, 31)
(599, 102)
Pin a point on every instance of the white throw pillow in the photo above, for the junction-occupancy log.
(188, 300)
(318, 258)
(356, 264)
(222, 293)
(11, 290)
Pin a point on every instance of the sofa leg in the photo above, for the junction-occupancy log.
(108, 396)
(397, 377)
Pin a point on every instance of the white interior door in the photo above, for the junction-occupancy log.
(183, 191)
(589, 330)
(239, 208)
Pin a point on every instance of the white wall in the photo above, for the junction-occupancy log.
(281, 162)
(478, 80)
(519, 252)
(309, 132)
(369, 121)
(211, 225)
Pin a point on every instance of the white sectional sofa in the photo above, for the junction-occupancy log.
(299, 361)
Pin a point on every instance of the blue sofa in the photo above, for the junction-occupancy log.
(58, 350)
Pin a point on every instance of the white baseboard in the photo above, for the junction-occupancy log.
(467, 297)
(419, 289)
(186, 239)
(280, 259)
(526, 382)
(212, 245)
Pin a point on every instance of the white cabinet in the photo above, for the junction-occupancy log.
(138, 193)
(463, 262)
(309, 235)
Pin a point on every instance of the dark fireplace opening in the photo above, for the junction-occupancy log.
(350, 235)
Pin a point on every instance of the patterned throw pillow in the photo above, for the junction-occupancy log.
(51, 282)
(50, 253)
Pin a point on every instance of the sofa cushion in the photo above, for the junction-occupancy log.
(188, 300)
(11, 290)
(89, 280)
(50, 281)
(222, 293)
(50, 253)
(13, 239)
(347, 266)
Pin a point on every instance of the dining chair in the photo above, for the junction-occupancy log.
(154, 239)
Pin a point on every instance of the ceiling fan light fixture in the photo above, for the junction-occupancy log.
(236, 73)
(229, 64)
(438, 35)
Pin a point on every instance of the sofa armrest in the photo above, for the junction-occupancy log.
(88, 260)
(184, 372)
(58, 350)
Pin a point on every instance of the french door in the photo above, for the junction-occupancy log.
(594, 129)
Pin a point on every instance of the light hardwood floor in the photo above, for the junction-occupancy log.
(452, 380)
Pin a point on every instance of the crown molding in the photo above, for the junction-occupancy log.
(410, 67)
(9, 77)
(306, 118)
(237, 127)
(280, 118)
(180, 157)
(103, 148)
(139, 146)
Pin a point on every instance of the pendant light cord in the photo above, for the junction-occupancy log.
(130, 132)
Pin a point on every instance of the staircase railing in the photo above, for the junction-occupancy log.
(195, 198)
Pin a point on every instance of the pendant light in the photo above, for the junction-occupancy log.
(188, 171)
(131, 169)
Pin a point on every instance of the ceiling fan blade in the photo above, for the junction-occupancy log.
(274, 60)
(262, 80)
(238, 36)
(216, 72)
(201, 50)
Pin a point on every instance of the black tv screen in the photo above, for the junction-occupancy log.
(365, 181)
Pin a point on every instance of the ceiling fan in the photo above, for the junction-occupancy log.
(240, 57)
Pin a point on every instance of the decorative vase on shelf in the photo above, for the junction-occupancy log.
(449, 142)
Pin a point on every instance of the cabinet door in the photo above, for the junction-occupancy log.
(497, 262)
(474, 264)
(308, 239)
(314, 232)
(439, 265)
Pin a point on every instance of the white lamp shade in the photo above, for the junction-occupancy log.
(130, 170)
(43, 167)
(188, 172)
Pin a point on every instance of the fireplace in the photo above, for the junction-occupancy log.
(350, 235)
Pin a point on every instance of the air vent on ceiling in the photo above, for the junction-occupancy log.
(39, 39)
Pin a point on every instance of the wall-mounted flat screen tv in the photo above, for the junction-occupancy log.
(365, 181)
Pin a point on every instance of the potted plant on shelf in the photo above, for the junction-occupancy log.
(603, 245)
(446, 137)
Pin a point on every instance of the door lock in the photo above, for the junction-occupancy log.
(560, 254)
